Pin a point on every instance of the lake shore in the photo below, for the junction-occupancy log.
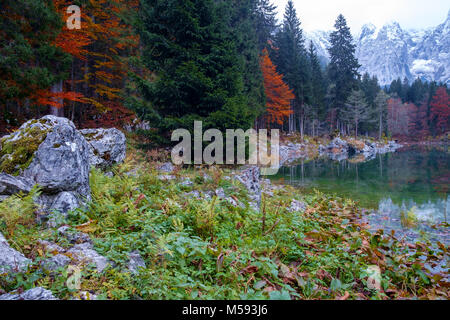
(204, 233)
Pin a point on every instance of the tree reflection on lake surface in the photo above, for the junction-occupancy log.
(408, 189)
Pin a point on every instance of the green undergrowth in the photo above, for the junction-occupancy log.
(209, 249)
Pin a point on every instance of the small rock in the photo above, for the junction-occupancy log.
(10, 185)
(74, 236)
(297, 206)
(166, 167)
(250, 178)
(11, 260)
(50, 247)
(56, 262)
(166, 178)
(85, 254)
(107, 147)
(136, 262)
(220, 193)
(186, 183)
(33, 294)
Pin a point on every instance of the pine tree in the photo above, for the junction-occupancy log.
(343, 68)
(291, 59)
(200, 74)
(30, 61)
(266, 22)
(317, 88)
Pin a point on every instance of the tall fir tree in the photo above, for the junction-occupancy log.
(317, 87)
(266, 22)
(343, 68)
(290, 56)
(200, 75)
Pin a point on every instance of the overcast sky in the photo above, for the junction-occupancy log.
(411, 14)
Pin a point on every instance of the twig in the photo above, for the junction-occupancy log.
(272, 228)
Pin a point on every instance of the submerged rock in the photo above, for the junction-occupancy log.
(107, 147)
(33, 294)
(11, 260)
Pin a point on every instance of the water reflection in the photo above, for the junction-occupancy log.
(408, 189)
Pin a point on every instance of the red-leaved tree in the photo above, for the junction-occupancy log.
(440, 111)
(278, 93)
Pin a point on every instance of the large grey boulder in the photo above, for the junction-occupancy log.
(107, 147)
(11, 260)
(50, 153)
(32, 294)
(61, 163)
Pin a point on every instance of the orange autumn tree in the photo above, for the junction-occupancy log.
(278, 93)
(74, 43)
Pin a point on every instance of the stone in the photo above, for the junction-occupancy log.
(50, 247)
(186, 183)
(297, 206)
(166, 167)
(107, 147)
(135, 262)
(11, 260)
(250, 178)
(85, 254)
(74, 236)
(220, 193)
(61, 162)
(166, 177)
(32, 294)
(10, 185)
(56, 262)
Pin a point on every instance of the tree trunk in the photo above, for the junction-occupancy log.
(57, 88)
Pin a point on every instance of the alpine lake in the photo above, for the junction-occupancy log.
(406, 191)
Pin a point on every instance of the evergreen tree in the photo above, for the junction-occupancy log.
(190, 47)
(343, 68)
(290, 56)
(30, 62)
(266, 22)
(317, 87)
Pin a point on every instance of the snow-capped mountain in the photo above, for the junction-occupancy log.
(392, 52)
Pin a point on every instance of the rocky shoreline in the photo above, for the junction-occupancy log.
(338, 149)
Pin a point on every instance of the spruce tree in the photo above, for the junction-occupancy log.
(343, 68)
(317, 88)
(199, 72)
(266, 22)
(290, 56)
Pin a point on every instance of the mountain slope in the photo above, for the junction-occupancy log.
(392, 52)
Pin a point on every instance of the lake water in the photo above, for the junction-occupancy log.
(407, 190)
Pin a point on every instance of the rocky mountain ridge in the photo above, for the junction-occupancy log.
(392, 52)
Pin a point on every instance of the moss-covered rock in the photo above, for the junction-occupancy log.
(17, 150)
